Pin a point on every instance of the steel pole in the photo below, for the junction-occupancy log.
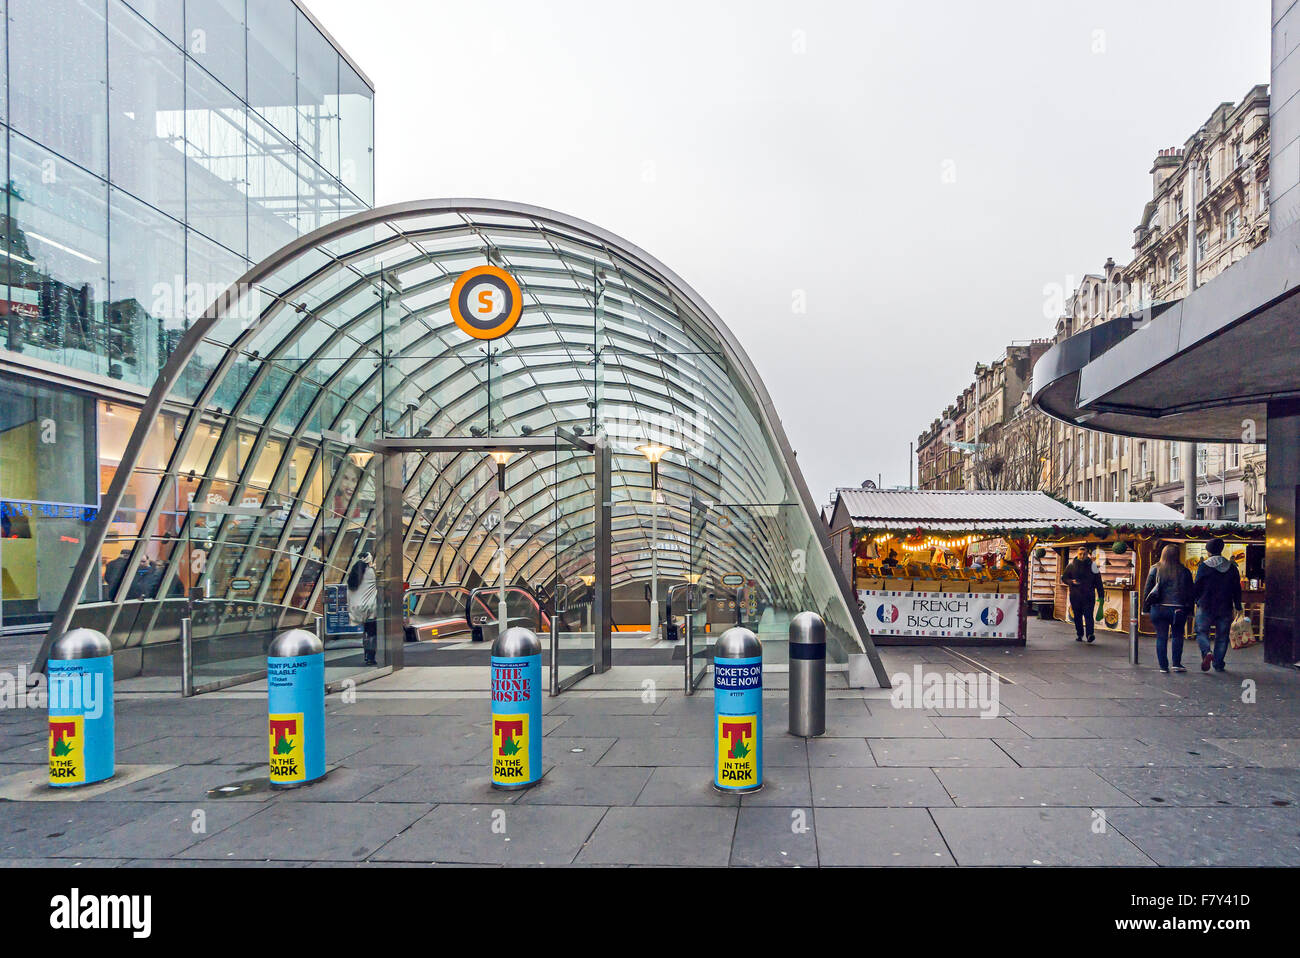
(654, 563)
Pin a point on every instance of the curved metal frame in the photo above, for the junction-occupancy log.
(194, 336)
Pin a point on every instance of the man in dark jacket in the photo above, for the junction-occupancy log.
(1218, 596)
(1085, 583)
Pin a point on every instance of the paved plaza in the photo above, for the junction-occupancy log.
(1089, 761)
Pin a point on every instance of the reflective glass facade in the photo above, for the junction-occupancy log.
(153, 150)
(344, 342)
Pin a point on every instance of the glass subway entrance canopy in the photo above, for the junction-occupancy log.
(328, 405)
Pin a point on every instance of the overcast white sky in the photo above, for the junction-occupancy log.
(762, 148)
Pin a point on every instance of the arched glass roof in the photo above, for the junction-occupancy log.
(270, 409)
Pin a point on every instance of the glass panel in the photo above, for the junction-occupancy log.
(57, 261)
(318, 97)
(214, 32)
(216, 145)
(146, 284)
(146, 98)
(58, 77)
(271, 64)
(166, 15)
(356, 134)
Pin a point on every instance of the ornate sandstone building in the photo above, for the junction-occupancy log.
(1220, 172)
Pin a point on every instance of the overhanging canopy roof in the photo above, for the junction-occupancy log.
(960, 510)
(1201, 368)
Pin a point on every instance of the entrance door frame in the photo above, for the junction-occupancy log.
(388, 535)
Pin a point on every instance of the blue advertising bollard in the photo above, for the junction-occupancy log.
(738, 711)
(516, 709)
(295, 705)
(79, 672)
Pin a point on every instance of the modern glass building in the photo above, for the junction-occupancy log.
(153, 150)
(338, 407)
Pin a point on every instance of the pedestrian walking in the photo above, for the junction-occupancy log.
(1218, 597)
(1085, 583)
(1170, 595)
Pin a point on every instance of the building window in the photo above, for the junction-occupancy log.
(1202, 461)
(1144, 459)
(1202, 245)
(1179, 200)
(1175, 263)
(1123, 485)
(1114, 487)
(1175, 464)
(1232, 224)
(1238, 153)
(1234, 457)
(1207, 181)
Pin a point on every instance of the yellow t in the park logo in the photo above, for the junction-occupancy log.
(510, 749)
(67, 749)
(737, 750)
(285, 734)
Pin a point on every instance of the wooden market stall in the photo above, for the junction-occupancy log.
(1135, 534)
(917, 578)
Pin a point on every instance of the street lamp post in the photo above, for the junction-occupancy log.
(654, 451)
(501, 458)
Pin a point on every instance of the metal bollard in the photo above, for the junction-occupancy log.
(295, 705)
(79, 673)
(1134, 617)
(807, 675)
(516, 709)
(738, 711)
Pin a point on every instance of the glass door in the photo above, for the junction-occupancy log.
(571, 592)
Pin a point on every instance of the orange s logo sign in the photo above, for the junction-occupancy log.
(485, 301)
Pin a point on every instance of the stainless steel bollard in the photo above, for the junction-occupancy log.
(187, 657)
(807, 675)
(1134, 614)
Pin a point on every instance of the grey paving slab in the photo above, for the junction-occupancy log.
(879, 836)
(190, 783)
(1036, 726)
(877, 788)
(779, 836)
(345, 784)
(684, 785)
(37, 829)
(1084, 752)
(197, 750)
(651, 725)
(887, 722)
(1009, 787)
(977, 728)
(435, 784)
(588, 785)
(783, 750)
(623, 703)
(1033, 836)
(938, 752)
(659, 751)
(166, 829)
(1196, 786)
(310, 831)
(1069, 707)
(516, 835)
(1249, 837)
(1266, 752)
(418, 749)
(652, 835)
(840, 753)
(781, 786)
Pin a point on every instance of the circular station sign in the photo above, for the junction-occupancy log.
(486, 302)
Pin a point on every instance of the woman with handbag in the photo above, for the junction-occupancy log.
(363, 602)
(1170, 596)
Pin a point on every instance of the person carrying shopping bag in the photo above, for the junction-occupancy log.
(1218, 596)
(1170, 594)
